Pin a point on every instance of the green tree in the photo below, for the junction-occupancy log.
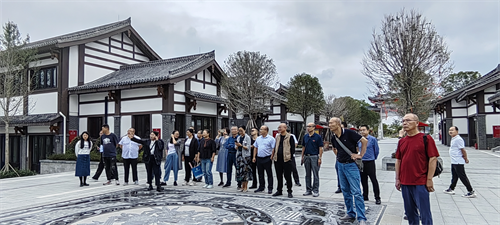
(249, 76)
(407, 61)
(457, 80)
(305, 96)
(15, 60)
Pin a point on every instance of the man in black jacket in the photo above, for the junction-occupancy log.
(152, 156)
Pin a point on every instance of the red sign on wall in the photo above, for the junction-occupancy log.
(496, 131)
(72, 134)
(159, 131)
(275, 132)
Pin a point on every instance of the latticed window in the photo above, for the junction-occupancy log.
(45, 78)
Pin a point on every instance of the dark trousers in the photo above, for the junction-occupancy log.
(295, 173)
(369, 170)
(254, 173)
(458, 171)
(231, 161)
(127, 163)
(153, 169)
(100, 168)
(111, 169)
(187, 165)
(264, 164)
(337, 169)
(284, 168)
(416, 199)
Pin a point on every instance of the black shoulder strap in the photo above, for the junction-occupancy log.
(425, 145)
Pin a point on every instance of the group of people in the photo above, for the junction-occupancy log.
(252, 156)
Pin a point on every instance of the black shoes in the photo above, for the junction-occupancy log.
(159, 188)
(378, 202)
(226, 185)
(175, 183)
(270, 191)
(150, 188)
(277, 194)
(163, 184)
(298, 184)
(290, 195)
(253, 187)
(338, 191)
(366, 199)
(220, 184)
(259, 190)
(347, 218)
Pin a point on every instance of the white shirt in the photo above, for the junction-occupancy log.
(186, 146)
(151, 147)
(130, 149)
(456, 144)
(82, 151)
(171, 148)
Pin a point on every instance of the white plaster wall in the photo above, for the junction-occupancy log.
(82, 124)
(73, 66)
(180, 86)
(209, 89)
(126, 39)
(132, 93)
(38, 129)
(492, 120)
(140, 57)
(2, 130)
(156, 122)
(43, 103)
(214, 80)
(277, 109)
(126, 123)
(92, 73)
(20, 108)
(471, 110)
(138, 50)
(93, 97)
(310, 119)
(224, 113)
(98, 46)
(486, 96)
(128, 47)
(96, 108)
(179, 108)
(454, 103)
(179, 98)
(44, 62)
(73, 105)
(105, 40)
(459, 112)
(102, 62)
(111, 123)
(116, 44)
(462, 124)
(143, 105)
(488, 108)
(274, 117)
(272, 126)
(121, 52)
(294, 117)
(322, 118)
(109, 56)
(205, 108)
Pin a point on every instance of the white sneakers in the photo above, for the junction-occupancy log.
(205, 186)
(449, 191)
(185, 183)
(191, 183)
(210, 186)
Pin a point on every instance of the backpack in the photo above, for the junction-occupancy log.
(439, 165)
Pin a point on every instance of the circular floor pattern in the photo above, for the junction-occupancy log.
(189, 207)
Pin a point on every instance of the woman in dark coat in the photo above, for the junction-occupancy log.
(189, 152)
(152, 156)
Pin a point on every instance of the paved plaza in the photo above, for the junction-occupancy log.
(58, 199)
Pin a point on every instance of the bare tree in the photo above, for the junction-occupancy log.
(333, 106)
(15, 74)
(247, 84)
(407, 60)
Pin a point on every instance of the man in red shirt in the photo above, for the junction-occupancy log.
(414, 171)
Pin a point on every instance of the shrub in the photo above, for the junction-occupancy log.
(12, 173)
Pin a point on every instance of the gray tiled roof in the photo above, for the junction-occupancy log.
(494, 97)
(200, 95)
(277, 96)
(153, 71)
(26, 120)
(477, 85)
(81, 35)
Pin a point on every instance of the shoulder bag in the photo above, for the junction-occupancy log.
(359, 163)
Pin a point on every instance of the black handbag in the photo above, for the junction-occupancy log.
(358, 162)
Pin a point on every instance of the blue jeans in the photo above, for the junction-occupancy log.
(231, 160)
(206, 167)
(416, 199)
(350, 185)
(337, 170)
(172, 163)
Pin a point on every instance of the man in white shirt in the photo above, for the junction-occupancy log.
(459, 158)
(130, 153)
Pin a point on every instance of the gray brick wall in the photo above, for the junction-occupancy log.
(449, 123)
(189, 118)
(74, 123)
(167, 125)
(481, 132)
(117, 124)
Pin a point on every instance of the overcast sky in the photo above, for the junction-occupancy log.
(324, 38)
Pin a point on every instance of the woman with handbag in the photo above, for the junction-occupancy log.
(189, 152)
(222, 155)
(82, 152)
(172, 161)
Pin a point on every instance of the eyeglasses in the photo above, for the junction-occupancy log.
(406, 121)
